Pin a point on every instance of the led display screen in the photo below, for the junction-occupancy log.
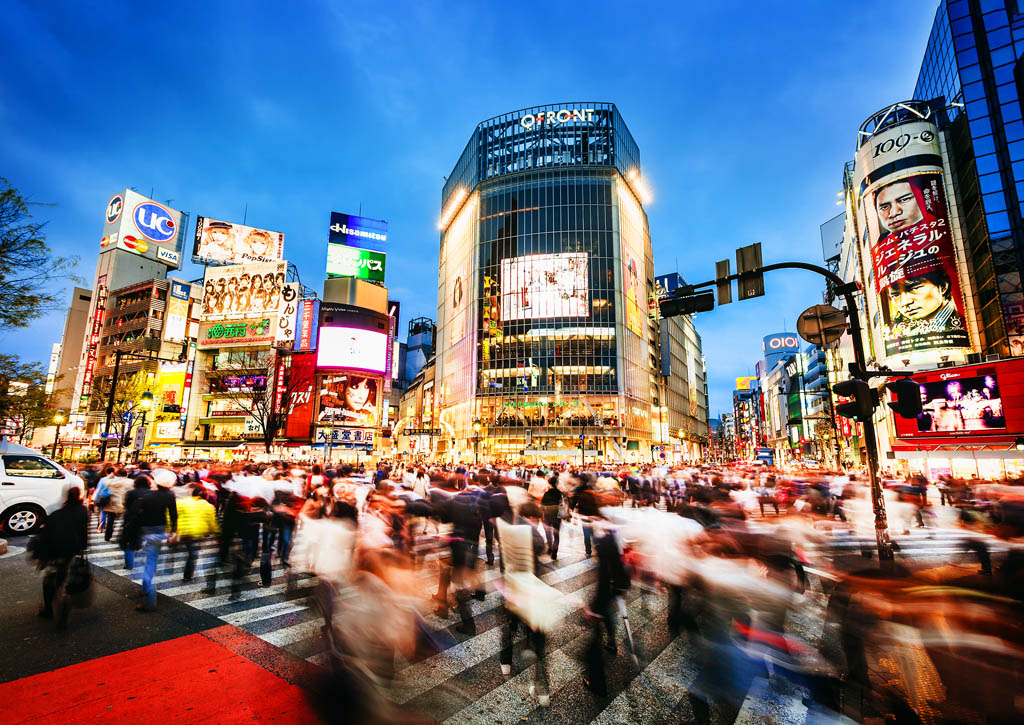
(352, 349)
(544, 285)
(961, 405)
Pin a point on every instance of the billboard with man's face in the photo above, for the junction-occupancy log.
(905, 218)
(230, 243)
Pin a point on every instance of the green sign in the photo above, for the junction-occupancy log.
(351, 262)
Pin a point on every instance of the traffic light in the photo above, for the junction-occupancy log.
(749, 258)
(687, 304)
(863, 399)
(908, 397)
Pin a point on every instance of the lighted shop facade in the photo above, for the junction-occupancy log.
(545, 279)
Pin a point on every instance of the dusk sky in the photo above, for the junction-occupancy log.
(744, 121)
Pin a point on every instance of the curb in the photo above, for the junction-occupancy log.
(3, 546)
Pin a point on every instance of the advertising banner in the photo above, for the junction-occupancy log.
(300, 408)
(352, 349)
(963, 404)
(902, 206)
(94, 340)
(169, 386)
(351, 399)
(287, 315)
(243, 289)
(969, 404)
(167, 431)
(236, 333)
(539, 286)
(352, 262)
(137, 224)
(744, 383)
(229, 243)
(348, 230)
(176, 317)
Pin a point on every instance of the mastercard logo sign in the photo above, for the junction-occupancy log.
(135, 244)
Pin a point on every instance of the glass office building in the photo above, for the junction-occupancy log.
(973, 62)
(545, 277)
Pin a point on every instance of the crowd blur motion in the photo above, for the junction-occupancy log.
(762, 574)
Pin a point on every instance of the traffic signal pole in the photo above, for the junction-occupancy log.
(858, 369)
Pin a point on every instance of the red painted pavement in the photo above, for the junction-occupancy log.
(211, 677)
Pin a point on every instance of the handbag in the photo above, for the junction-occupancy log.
(103, 501)
(79, 582)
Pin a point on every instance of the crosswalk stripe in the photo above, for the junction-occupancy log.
(248, 616)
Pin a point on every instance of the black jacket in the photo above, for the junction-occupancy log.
(155, 506)
(65, 533)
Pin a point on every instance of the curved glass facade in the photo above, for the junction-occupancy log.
(543, 290)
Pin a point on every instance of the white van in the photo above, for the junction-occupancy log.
(31, 487)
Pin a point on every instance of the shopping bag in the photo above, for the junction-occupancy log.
(79, 585)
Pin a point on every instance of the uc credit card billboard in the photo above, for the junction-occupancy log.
(137, 224)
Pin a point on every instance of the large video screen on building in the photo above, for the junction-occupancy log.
(538, 286)
(352, 348)
(906, 222)
(349, 399)
(231, 243)
(962, 405)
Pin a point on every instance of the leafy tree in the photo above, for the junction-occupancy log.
(24, 405)
(250, 386)
(27, 265)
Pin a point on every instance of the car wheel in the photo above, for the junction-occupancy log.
(22, 520)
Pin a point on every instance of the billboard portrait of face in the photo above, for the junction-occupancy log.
(245, 289)
(905, 218)
(961, 405)
(914, 265)
(539, 286)
(349, 399)
(218, 241)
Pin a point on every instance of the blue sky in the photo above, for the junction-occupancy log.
(744, 122)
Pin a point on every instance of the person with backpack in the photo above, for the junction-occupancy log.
(64, 535)
(115, 487)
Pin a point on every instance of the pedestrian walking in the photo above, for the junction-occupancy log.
(64, 535)
(197, 519)
(158, 520)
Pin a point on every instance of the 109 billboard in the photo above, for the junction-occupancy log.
(904, 215)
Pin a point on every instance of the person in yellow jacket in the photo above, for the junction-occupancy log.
(197, 519)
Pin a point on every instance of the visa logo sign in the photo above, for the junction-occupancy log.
(166, 255)
(154, 221)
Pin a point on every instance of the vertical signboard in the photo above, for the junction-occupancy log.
(903, 212)
(307, 325)
(176, 316)
(96, 327)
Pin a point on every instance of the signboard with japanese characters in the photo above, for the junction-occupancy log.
(906, 222)
(345, 437)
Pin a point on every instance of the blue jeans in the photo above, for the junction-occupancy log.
(129, 558)
(152, 538)
(588, 535)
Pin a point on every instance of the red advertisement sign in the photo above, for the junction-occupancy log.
(300, 410)
(980, 402)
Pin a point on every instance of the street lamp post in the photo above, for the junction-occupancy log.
(195, 440)
(146, 402)
(58, 418)
(476, 442)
